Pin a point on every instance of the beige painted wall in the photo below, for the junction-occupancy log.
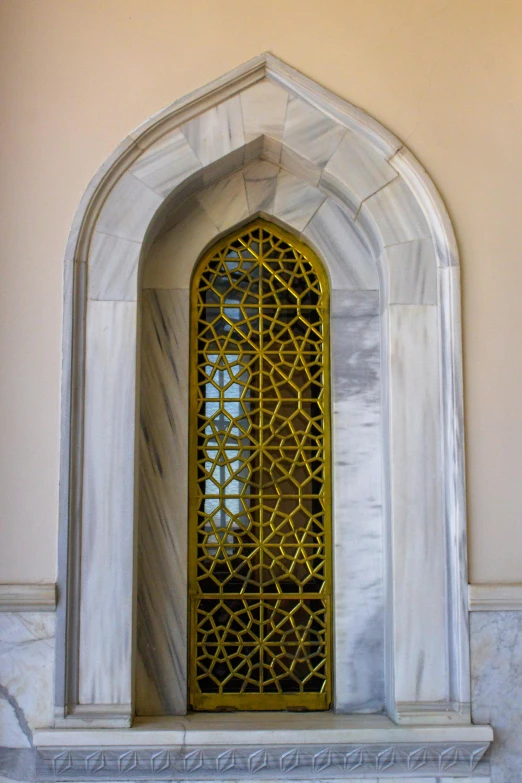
(77, 75)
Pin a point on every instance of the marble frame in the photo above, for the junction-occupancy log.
(264, 109)
(262, 188)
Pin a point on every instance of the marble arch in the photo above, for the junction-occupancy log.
(381, 226)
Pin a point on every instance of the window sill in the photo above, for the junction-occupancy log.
(259, 745)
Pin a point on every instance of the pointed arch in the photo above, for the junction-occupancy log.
(377, 197)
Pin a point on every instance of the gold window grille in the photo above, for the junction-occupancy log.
(259, 530)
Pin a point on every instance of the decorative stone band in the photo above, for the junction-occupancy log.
(495, 598)
(255, 762)
(27, 598)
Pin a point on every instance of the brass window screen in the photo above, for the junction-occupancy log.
(259, 529)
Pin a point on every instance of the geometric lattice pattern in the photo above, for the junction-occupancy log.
(260, 579)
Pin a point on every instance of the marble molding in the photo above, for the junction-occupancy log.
(258, 763)
(27, 597)
(198, 149)
(495, 597)
(264, 746)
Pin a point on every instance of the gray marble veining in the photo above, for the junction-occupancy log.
(113, 268)
(108, 504)
(229, 163)
(336, 238)
(301, 167)
(412, 272)
(205, 133)
(396, 214)
(260, 183)
(358, 530)
(166, 163)
(355, 170)
(162, 517)
(496, 686)
(26, 676)
(295, 201)
(309, 133)
(129, 209)
(264, 110)
(225, 202)
(271, 151)
(419, 603)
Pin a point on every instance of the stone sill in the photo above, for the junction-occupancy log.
(262, 729)
(261, 746)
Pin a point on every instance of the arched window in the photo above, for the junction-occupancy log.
(259, 532)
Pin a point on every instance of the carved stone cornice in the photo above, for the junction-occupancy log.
(216, 762)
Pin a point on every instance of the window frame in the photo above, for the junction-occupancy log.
(251, 701)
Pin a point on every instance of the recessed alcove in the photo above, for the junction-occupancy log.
(357, 446)
(263, 140)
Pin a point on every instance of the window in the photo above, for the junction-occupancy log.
(259, 530)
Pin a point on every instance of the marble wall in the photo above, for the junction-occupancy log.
(26, 684)
(26, 697)
(26, 688)
(496, 670)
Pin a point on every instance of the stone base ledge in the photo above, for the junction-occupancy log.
(261, 746)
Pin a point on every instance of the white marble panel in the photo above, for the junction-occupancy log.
(166, 163)
(296, 202)
(11, 733)
(453, 475)
(310, 133)
(129, 209)
(260, 183)
(496, 684)
(264, 110)
(356, 170)
(418, 540)
(412, 272)
(172, 257)
(216, 132)
(396, 214)
(162, 526)
(108, 504)
(336, 238)
(226, 165)
(358, 530)
(26, 675)
(225, 202)
(271, 150)
(303, 169)
(113, 268)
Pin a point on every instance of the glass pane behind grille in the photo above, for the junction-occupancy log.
(260, 582)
